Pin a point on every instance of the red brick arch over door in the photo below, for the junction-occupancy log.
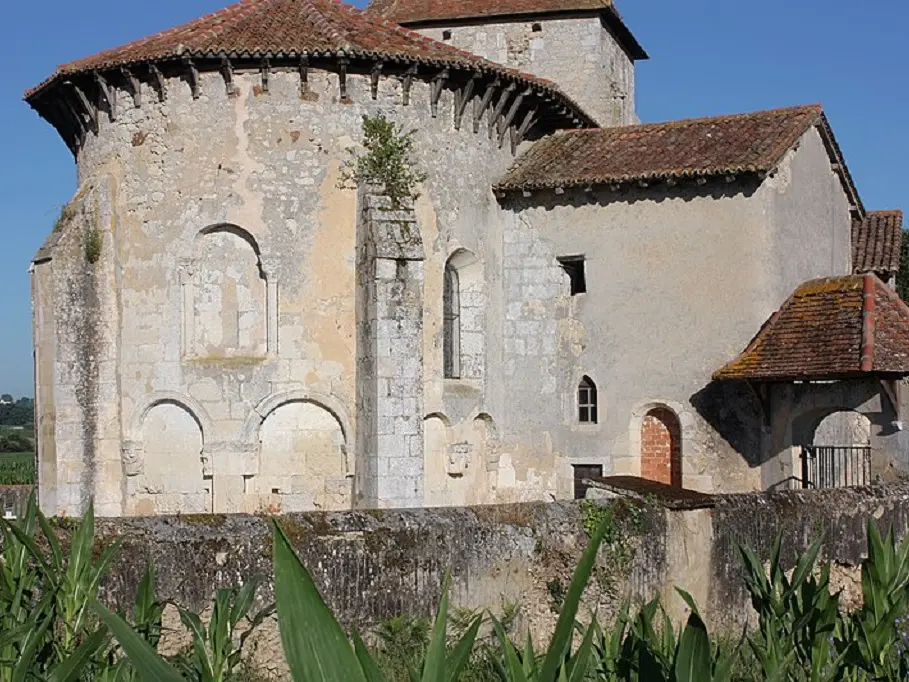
(661, 447)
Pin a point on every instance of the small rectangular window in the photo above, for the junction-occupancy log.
(536, 28)
(446, 35)
(574, 269)
(582, 471)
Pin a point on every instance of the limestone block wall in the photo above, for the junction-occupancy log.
(579, 54)
(210, 360)
(678, 281)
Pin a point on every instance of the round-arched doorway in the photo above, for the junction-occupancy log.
(661, 447)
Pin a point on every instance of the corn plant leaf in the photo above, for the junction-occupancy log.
(244, 600)
(434, 662)
(692, 661)
(34, 639)
(149, 666)
(530, 658)
(71, 668)
(580, 663)
(513, 667)
(460, 656)
(561, 638)
(52, 540)
(193, 623)
(315, 646)
(804, 567)
(23, 535)
(370, 669)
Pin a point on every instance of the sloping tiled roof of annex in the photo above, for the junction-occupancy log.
(829, 329)
(876, 242)
(690, 148)
(425, 12)
(258, 29)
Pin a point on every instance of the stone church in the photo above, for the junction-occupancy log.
(221, 324)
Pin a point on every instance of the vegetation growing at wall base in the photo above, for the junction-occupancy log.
(52, 626)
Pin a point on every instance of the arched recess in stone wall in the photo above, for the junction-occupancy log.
(464, 317)
(303, 455)
(458, 458)
(674, 428)
(661, 447)
(164, 466)
(228, 300)
(843, 428)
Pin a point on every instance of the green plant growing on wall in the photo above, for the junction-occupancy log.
(621, 523)
(67, 213)
(386, 161)
(94, 241)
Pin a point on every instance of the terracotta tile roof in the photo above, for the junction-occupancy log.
(724, 145)
(254, 29)
(876, 242)
(405, 11)
(426, 12)
(829, 329)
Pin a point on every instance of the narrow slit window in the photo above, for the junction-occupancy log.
(574, 269)
(582, 472)
(451, 323)
(587, 401)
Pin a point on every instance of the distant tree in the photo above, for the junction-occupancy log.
(18, 413)
(6, 398)
(902, 276)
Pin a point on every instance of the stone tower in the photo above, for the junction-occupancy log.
(583, 45)
(215, 307)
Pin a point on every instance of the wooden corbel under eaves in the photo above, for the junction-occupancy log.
(158, 79)
(438, 84)
(482, 104)
(500, 108)
(133, 85)
(193, 74)
(88, 108)
(108, 93)
(407, 82)
(462, 97)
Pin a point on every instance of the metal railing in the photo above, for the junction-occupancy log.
(835, 466)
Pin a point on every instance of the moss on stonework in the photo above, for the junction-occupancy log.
(398, 548)
(211, 520)
(521, 515)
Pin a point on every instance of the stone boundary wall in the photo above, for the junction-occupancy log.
(373, 565)
(801, 516)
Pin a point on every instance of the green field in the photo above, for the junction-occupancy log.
(17, 468)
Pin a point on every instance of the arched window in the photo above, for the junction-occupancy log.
(451, 323)
(587, 401)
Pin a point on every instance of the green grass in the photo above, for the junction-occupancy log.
(17, 468)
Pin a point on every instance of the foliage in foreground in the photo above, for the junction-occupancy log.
(52, 627)
(17, 468)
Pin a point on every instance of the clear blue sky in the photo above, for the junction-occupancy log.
(707, 57)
